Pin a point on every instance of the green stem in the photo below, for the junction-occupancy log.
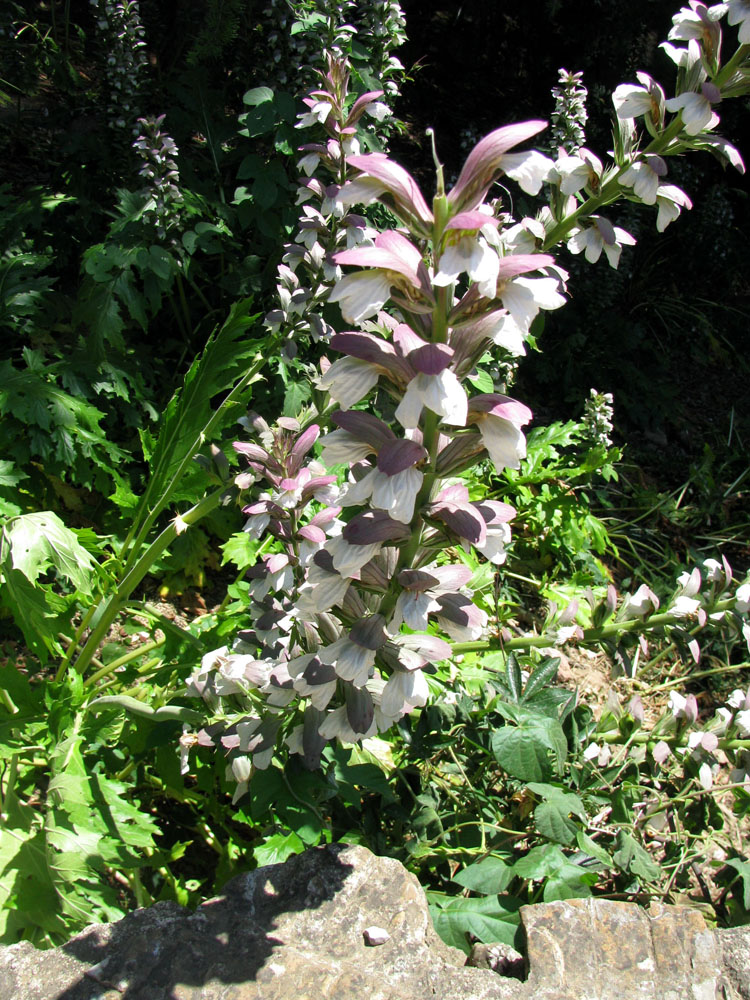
(134, 576)
(611, 190)
(589, 634)
(132, 654)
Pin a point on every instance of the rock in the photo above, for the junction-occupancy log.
(285, 932)
(607, 950)
(498, 957)
(735, 948)
(307, 930)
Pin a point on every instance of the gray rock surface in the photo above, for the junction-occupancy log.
(306, 930)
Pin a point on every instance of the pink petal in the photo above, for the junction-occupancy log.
(483, 163)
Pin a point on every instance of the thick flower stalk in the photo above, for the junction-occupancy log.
(355, 616)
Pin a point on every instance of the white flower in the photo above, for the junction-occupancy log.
(670, 200)
(739, 13)
(348, 380)
(601, 236)
(441, 393)
(643, 176)
(742, 598)
(705, 776)
(395, 494)
(361, 294)
(524, 297)
(684, 606)
(471, 255)
(336, 726)
(404, 690)
(529, 170)
(631, 101)
(642, 602)
(494, 546)
(695, 110)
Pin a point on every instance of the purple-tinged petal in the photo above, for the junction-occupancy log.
(369, 632)
(397, 455)
(364, 426)
(500, 406)
(364, 346)
(484, 163)
(431, 359)
(302, 445)
(397, 182)
(455, 456)
(495, 511)
(374, 526)
(312, 533)
(417, 580)
(359, 106)
(471, 221)
(428, 646)
(520, 263)
(360, 710)
(463, 521)
(251, 451)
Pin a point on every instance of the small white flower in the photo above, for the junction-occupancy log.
(442, 393)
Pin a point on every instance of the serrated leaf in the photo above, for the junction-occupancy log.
(490, 876)
(487, 919)
(38, 612)
(9, 475)
(32, 543)
(277, 848)
(240, 549)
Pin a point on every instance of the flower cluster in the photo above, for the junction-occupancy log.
(598, 411)
(307, 272)
(325, 27)
(570, 116)
(158, 151)
(123, 40)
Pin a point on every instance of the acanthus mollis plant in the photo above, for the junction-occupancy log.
(347, 634)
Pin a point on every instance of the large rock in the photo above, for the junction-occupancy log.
(337, 923)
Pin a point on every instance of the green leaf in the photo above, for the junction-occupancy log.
(32, 543)
(482, 381)
(541, 676)
(513, 673)
(9, 475)
(743, 870)
(533, 750)
(552, 817)
(489, 876)
(277, 848)
(631, 857)
(488, 919)
(225, 359)
(258, 95)
(38, 612)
